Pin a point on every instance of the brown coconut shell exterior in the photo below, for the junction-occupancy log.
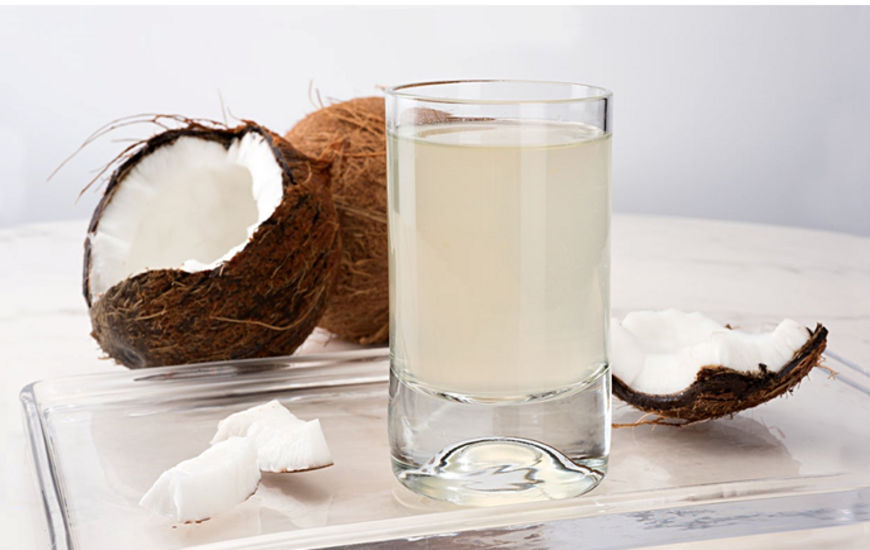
(263, 302)
(720, 391)
(352, 135)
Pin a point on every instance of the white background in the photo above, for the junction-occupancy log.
(753, 114)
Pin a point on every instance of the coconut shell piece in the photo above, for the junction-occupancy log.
(352, 135)
(262, 302)
(720, 391)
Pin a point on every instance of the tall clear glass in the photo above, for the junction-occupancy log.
(499, 231)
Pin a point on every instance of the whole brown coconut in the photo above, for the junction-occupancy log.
(263, 301)
(352, 135)
(720, 391)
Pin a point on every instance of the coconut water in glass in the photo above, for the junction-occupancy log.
(499, 224)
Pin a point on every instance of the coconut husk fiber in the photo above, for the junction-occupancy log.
(720, 391)
(352, 136)
(263, 302)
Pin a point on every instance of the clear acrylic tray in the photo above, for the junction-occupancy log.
(100, 441)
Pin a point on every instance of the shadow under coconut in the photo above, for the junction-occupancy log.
(295, 499)
(719, 451)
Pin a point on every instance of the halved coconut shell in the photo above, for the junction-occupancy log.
(720, 391)
(264, 301)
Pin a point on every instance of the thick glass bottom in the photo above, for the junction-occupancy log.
(484, 454)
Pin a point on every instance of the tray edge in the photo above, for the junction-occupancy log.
(52, 505)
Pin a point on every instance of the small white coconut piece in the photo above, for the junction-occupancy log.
(283, 442)
(223, 476)
(272, 413)
(690, 367)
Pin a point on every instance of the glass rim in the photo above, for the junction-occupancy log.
(401, 91)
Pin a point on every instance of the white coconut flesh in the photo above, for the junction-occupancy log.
(223, 476)
(661, 352)
(283, 442)
(190, 205)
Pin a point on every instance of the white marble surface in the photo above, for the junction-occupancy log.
(733, 272)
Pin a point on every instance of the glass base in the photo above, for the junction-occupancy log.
(483, 454)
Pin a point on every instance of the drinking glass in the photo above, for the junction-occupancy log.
(499, 246)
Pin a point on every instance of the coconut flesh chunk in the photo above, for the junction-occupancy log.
(283, 442)
(223, 476)
(659, 353)
(189, 205)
